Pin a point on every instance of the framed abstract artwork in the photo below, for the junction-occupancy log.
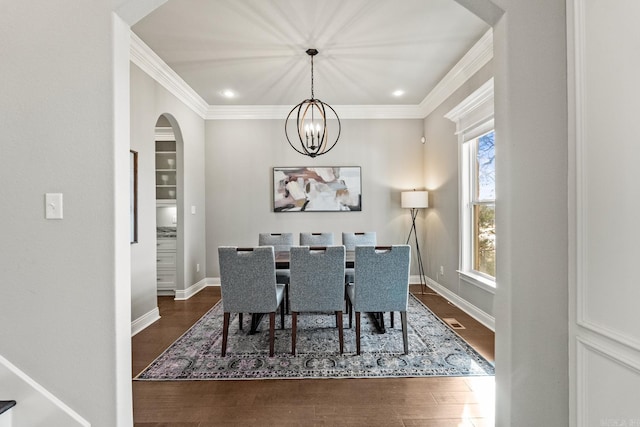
(317, 189)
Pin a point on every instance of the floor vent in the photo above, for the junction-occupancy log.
(453, 323)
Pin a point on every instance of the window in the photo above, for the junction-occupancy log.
(477, 190)
(481, 205)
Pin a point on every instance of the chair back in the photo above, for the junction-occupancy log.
(382, 278)
(279, 241)
(248, 279)
(317, 279)
(316, 239)
(351, 240)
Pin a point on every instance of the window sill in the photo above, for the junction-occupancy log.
(479, 281)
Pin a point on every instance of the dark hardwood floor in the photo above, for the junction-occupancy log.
(440, 402)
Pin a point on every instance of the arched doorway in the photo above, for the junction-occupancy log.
(168, 197)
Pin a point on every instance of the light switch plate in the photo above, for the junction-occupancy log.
(53, 205)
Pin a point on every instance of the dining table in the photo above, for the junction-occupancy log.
(282, 261)
(283, 258)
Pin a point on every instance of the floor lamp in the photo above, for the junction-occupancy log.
(415, 200)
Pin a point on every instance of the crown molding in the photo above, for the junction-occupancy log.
(156, 68)
(145, 58)
(478, 56)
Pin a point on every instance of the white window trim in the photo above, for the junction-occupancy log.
(478, 280)
(473, 117)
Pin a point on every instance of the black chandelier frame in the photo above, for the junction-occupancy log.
(315, 141)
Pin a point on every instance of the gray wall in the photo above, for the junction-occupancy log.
(240, 155)
(148, 101)
(441, 237)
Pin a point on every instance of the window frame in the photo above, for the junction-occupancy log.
(474, 117)
(468, 202)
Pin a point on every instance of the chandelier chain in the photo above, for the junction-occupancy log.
(312, 96)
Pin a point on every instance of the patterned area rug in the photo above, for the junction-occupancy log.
(434, 350)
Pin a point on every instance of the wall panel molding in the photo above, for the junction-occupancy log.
(604, 338)
(587, 397)
(584, 177)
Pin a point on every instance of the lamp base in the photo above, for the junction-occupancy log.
(423, 283)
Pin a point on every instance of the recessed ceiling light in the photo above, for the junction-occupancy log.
(398, 92)
(228, 93)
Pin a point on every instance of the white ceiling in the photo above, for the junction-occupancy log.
(256, 48)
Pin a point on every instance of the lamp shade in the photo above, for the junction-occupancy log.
(415, 199)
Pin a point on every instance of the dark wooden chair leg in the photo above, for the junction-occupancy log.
(405, 338)
(282, 315)
(272, 332)
(294, 330)
(340, 331)
(240, 321)
(392, 319)
(225, 332)
(357, 332)
(350, 310)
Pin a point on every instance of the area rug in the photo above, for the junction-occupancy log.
(434, 350)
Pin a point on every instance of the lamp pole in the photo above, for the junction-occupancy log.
(414, 214)
(416, 200)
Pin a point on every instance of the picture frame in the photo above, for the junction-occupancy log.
(317, 189)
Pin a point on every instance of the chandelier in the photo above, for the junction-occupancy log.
(312, 134)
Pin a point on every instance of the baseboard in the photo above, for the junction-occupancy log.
(191, 290)
(464, 305)
(34, 400)
(145, 320)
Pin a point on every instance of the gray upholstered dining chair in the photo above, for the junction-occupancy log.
(381, 285)
(350, 241)
(280, 242)
(317, 285)
(316, 239)
(248, 285)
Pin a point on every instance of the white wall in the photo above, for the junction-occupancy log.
(148, 101)
(240, 155)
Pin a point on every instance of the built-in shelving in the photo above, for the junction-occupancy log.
(166, 191)
(166, 184)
